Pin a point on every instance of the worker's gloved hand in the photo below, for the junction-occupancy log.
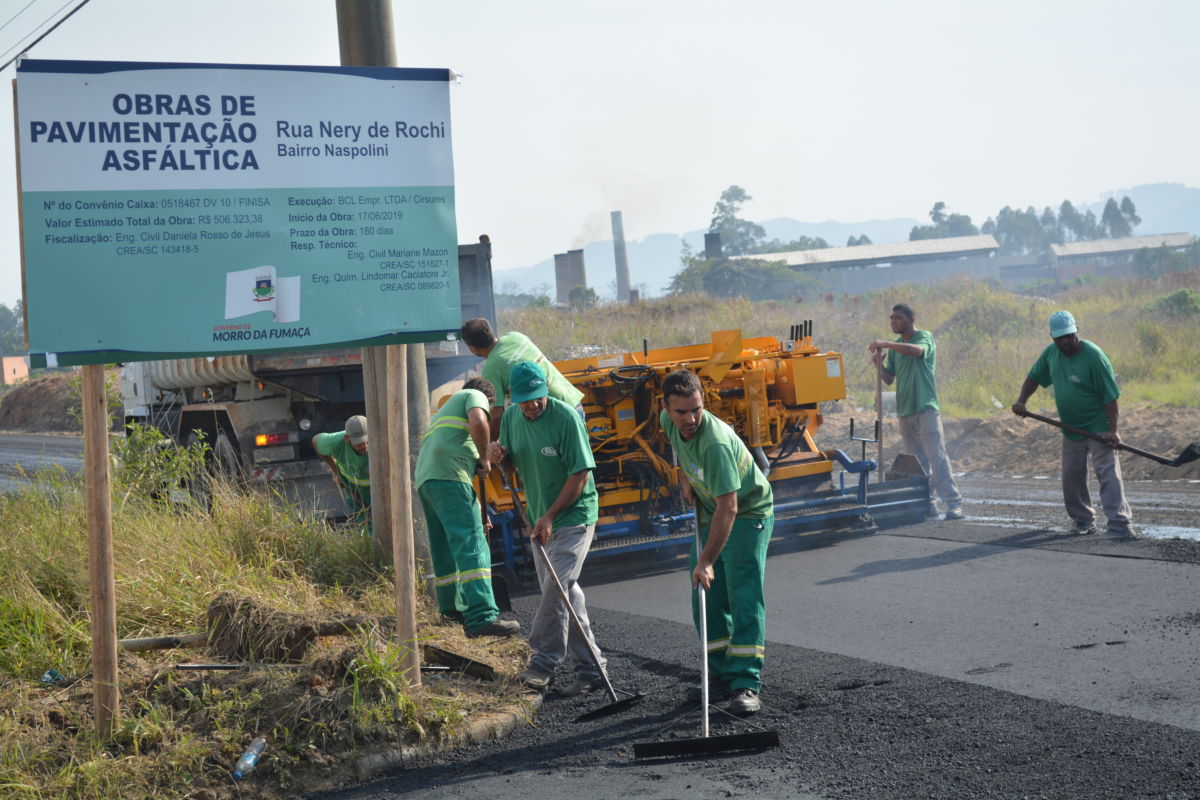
(1019, 409)
(1112, 439)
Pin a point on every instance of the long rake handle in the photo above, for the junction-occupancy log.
(575, 621)
(704, 658)
(1097, 437)
(512, 488)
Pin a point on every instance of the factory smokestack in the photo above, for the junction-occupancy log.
(562, 285)
(622, 258)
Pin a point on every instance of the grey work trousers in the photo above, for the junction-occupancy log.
(552, 633)
(1108, 473)
(923, 435)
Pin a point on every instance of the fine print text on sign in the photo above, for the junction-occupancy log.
(201, 209)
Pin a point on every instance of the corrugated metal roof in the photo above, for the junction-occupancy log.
(881, 253)
(1128, 244)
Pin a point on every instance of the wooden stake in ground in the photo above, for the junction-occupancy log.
(400, 491)
(366, 39)
(106, 691)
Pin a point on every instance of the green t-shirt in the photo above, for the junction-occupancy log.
(915, 389)
(353, 469)
(1083, 383)
(448, 452)
(716, 461)
(513, 348)
(547, 450)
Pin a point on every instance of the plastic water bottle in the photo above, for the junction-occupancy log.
(246, 763)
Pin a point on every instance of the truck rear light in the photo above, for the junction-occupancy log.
(267, 439)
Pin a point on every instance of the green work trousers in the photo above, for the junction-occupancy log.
(462, 561)
(736, 605)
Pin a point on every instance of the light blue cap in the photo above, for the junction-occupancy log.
(1061, 323)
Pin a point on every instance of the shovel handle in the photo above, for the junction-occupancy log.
(1097, 437)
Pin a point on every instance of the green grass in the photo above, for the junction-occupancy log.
(987, 337)
(181, 731)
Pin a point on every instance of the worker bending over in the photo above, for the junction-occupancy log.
(345, 453)
(735, 512)
(501, 354)
(458, 545)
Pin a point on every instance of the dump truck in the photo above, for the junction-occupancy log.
(258, 413)
(770, 390)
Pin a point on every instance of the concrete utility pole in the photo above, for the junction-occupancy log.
(366, 39)
(622, 258)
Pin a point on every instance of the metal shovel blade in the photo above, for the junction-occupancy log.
(1190, 453)
(707, 745)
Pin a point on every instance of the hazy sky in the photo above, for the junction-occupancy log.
(848, 111)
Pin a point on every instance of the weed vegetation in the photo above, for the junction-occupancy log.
(987, 336)
(180, 732)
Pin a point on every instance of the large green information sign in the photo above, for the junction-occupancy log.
(174, 210)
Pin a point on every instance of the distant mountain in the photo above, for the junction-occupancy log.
(654, 260)
(1163, 207)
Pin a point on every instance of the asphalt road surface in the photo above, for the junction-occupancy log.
(991, 658)
(946, 660)
(24, 453)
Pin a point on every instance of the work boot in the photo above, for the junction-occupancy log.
(744, 702)
(953, 512)
(582, 684)
(1079, 529)
(497, 627)
(1123, 533)
(532, 678)
(717, 690)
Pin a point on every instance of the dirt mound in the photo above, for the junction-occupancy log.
(50, 404)
(1006, 445)
(45, 403)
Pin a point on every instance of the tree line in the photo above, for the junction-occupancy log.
(1017, 232)
(12, 330)
(1027, 232)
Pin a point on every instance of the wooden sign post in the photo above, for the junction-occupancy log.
(105, 688)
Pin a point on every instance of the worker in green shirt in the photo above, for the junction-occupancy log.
(500, 354)
(1085, 393)
(345, 453)
(462, 559)
(735, 512)
(547, 443)
(911, 363)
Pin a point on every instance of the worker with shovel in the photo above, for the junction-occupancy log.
(462, 561)
(547, 443)
(735, 512)
(1085, 393)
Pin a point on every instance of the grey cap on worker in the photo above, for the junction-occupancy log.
(356, 429)
(1062, 323)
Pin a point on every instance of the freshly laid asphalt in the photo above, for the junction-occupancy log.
(947, 660)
